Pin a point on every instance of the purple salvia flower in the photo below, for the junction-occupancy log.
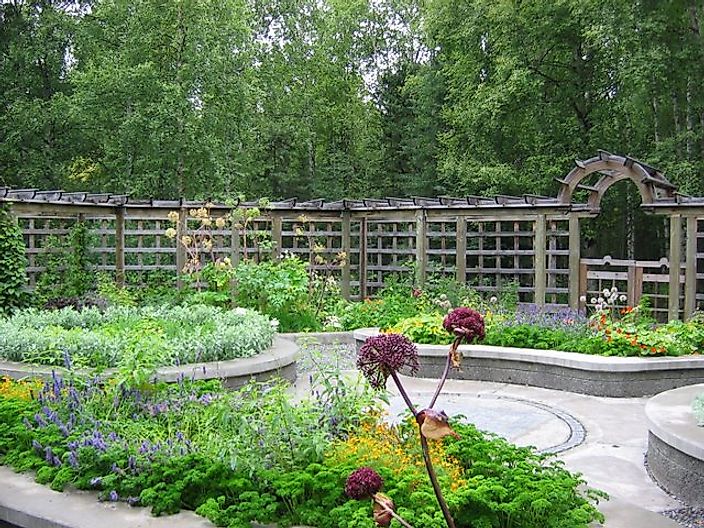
(96, 481)
(48, 454)
(40, 421)
(37, 446)
(67, 360)
(55, 461)
(73, 460)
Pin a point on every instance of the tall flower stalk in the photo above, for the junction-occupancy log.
(383, 356)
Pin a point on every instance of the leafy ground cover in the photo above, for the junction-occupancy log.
(235, 457)
(612, 331)
(119, 335)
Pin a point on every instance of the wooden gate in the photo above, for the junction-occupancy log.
(633, 280)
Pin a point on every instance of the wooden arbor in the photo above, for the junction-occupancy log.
(533, 241)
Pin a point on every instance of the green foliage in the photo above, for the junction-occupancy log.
(13, 264)
(252, 455)
(68, 264)
(279, 289)
(133, 338)
(424, 329)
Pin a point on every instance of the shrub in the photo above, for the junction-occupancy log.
(91, 338)
(285, 463)
(13, 264)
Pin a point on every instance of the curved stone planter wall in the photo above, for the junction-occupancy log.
(676, 444)
(617, 377)
(278, 361)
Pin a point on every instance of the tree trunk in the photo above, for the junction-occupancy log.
(690, 119)
(676, 119)
(655, 120)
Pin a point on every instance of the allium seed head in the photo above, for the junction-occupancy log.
(363, 483)
(381, 355)
(466, 323)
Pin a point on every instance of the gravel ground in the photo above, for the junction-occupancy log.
(341, 356)
(687, 517)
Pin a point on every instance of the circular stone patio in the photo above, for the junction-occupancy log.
(522, 422)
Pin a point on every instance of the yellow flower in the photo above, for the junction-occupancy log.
(173, 216)
(170, 233)
(186, 240)
(220, 222)
(206, 221)
(207, 245)
(227, 261)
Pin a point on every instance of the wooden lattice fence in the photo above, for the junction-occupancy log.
(530, 241)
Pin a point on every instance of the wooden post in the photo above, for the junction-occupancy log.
(583, 286)
(276, 235)
(690, 277)
(574, 258)
(362, 258)
(539, 243)
(180, 249)
(346, 249)
(461, 251)
(120, 246)
(673, 301)
(421, 247)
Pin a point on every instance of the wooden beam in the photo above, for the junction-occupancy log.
(421, 248)
(180, 250)
(461, 250)
(673, 298)
(120, 246)
(276, 237)
(347, 249)
(539, 262)
(362, 258)
(690, 277)
(574, 256)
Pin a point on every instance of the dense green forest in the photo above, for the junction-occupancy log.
(333, 98)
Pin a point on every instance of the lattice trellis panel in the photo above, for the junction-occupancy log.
(37, 232)
(700, 264)
(390, 250)
(441, 243)
(557, 261)
(500, 252)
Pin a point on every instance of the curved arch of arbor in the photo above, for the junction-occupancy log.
(531, 240)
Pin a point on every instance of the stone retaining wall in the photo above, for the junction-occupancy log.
(277, 361)
(619, 377)
(676, 444)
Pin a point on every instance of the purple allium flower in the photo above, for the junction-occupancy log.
(466, 323)
(381, 355)
(363, 483)
(113, 496)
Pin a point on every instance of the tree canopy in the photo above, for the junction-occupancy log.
(345, 98)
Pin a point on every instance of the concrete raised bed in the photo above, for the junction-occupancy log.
(619, 377)
(278, 361)
(676, 444)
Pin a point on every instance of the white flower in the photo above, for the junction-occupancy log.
(240, 311)
(274, 323)
(600, 300)
(592, 300)
(614, 289)
(613, 298)
(583, 298)
(493, 300)
(623, 298)
(606, 292)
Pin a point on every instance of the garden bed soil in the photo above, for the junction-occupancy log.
(278, 361)
(610, 376)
